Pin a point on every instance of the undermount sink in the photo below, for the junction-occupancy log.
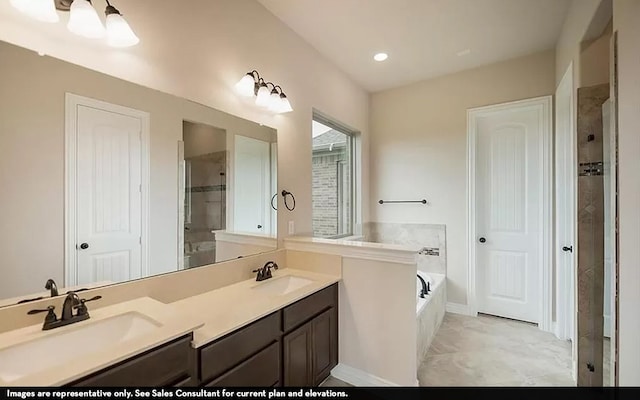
(58, 348)
(282, 285)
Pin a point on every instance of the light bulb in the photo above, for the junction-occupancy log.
(119, 33)
(42, 10)
(285, 106)
(84, 20)
(263, 96)
(246, 85)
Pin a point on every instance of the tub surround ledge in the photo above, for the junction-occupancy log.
(395, 253)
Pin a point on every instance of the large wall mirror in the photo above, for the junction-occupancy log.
(106, 181)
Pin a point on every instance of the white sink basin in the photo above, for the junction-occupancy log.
(57, 349)
(282, 285)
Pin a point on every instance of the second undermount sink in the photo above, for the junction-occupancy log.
(281, 285)
(58, 348)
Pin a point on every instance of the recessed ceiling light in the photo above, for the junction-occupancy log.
(463, 52)
(381, 56)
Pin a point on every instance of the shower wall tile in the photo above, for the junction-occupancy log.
(590, 246)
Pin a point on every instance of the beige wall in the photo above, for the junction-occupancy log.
(32, 110)
(580, 24)
(594, 60)
(202, 139)
(419, 144)
(201, 55)
(626, 20)
(377, 319)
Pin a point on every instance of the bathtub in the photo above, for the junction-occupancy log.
(429, 311)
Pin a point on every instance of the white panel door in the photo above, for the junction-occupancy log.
(108, 196)
(252, 185)
(566, 201)
(508, 212)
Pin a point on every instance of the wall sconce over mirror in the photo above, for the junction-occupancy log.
(272, 99)
(83, 19)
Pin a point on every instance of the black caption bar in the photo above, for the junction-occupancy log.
(356, 393)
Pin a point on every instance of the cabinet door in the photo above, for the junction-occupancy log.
(297, 352)
(324, 329)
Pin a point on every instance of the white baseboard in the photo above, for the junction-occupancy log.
(456, 308)
(356, 377)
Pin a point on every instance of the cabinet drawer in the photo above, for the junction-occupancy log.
(238, 346)
(161, 366)
(263, 369)
(307, 308)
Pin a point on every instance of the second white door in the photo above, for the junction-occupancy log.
(508, 213)
(252, 186)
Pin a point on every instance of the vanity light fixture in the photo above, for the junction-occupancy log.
(274, 100)
(83, 19)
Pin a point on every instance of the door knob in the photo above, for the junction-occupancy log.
(259, 226)
(569, 249)
(482, 240)
(84, 246)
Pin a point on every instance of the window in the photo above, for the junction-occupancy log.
(333, 178)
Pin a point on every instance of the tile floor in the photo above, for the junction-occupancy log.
(492, 351)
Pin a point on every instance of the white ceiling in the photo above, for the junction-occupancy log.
(422, 37)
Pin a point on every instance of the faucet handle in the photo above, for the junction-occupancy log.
(51, 315)
(48, 309)
(82, 308)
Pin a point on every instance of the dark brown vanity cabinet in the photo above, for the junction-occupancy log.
(170, 364)
(311, 351)
(294, 346)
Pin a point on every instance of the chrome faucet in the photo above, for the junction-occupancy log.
(71, 302)
(265, 271)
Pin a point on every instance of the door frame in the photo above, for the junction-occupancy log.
(72, 101)
(544, 104)
(565, 280)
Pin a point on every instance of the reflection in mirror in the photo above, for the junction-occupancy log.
(94, 193)
(221, 221)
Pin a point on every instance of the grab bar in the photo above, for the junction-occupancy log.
(423, 201)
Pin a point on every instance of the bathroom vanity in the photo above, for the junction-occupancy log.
(279, 332)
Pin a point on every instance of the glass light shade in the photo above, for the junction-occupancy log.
(84, 20)
(263, 99)
(285, 106)
(246, 86)
(274, 101)
(42, 10)
(119, 33)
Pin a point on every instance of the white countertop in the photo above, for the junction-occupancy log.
(219, 317)
(173, 325)
(209, 316)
